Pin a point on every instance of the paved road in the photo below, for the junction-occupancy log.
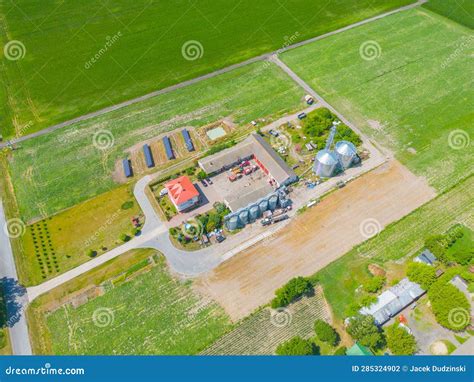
(210, 75)
(16, 297)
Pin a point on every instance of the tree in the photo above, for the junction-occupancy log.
(91, 253)
(297, 346)
(201, 175)
(367, 300)
(422, 274)
(124, 237)
(340, 351)
(362, 328)
(374, 284)
(399, 341)
(326, 332)
(292, 290)
(450, 306)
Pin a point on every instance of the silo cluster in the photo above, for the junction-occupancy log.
(329, 162)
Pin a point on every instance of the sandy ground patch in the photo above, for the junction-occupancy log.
(316, 238)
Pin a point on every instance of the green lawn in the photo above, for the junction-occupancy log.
(413, 98)
(341, 278)
(461, 11)
(61, 169)
(138, 47)
(153, 313)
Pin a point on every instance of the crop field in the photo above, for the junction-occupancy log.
(461, 11)
(261, 332)
(149, 313)
(78, 56)
(405, 80)
(45, 185)
(63, 241)
(341, 278)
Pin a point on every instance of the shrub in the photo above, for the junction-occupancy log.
(374, 284)
(294, 289)
(124, 237)
(92, 253)
(340, 351)
(136, 231)
(190, 171)
(362, 328)
(464, 257)
(450, 306)
(367, 300)
(399, 341)
(326, 332)
(422, 274)
(201, 175)
(127, 205)
(297, 346)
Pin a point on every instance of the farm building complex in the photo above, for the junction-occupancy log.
(259, 192)
(182, 193)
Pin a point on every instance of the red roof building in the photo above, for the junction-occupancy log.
(182, 193)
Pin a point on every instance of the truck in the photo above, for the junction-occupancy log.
(280, 218)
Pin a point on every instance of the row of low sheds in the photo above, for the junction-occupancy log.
(252, 212)
(127, 165)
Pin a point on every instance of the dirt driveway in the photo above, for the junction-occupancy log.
(316, 238)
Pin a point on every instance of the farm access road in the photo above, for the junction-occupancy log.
(262, 57)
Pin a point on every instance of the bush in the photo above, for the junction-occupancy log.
(124, 237)
(326, 332)
(297, 346)
(399, 341)
(374, 284)
(136, 231)
(294, 289)
(464, 257)
(127, 205)
(190, 171)
(340, 351)
(91, 253)
(367, 300)
(422, 274)
(363, 329)
(450, 306)
(201, 175)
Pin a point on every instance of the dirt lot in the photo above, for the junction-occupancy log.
(316, 238)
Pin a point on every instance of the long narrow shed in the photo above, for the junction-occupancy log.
(168, 148)
(148, 156)
(187, 140)
(127, 168)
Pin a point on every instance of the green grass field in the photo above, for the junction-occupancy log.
(461, 11)
(397, 241)
(412, 97)
(138, 47)
(153, 313)
(61, 169)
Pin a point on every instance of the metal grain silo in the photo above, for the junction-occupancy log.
(244, 216)
(254, 212)
(263, 205)
(346, 152)
(273, 202)
(325, 163)
(232, 223)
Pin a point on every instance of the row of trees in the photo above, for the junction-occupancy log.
(295, 288)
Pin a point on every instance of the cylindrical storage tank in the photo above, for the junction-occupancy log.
(232, 223)
(273, 202)
(244, 216)
(325, 163)
(346, 152)
(263, 205)
(254, 212)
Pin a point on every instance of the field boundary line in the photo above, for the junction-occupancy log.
(216, 73)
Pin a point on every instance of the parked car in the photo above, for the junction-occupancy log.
(302, 116)
(220, 238)
(208, 180)
(340, 184)
(266, 221)
(274, 133)
(203, 182)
